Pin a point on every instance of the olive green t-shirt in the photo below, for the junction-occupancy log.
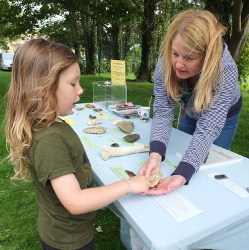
(58, 151)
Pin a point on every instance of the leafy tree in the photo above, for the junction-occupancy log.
(115, 17)
(147, 28)
(243, 65)
(235, 14)
(80, 26)
(155, 16)
(115, 29)
(39, 18)
(3, 41)
(9, 27)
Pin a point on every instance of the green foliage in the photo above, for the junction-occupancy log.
(243, 65)
(115, 12)
(6, 35)
(101, 67)
(132, 65)
(79, 20)
(240, 143)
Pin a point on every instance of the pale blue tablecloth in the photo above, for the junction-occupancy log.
(224, 221)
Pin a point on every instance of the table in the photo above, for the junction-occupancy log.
(224, 221)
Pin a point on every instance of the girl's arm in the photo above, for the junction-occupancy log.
(78, 201)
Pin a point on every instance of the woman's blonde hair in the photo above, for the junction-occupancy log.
(201, 34)
(32, 95)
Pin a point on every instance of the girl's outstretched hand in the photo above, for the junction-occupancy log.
(139, 184)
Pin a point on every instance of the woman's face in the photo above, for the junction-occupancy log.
(185, 64)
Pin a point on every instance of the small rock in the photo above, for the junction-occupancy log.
(99, 229)
(94, 122)
(126, 127)
(145, 120)
(132, 137)
(95, 130)
(115, 145)
(155, 178)
(130, 173)
(90, 106)
(98, 110)
(92, 117)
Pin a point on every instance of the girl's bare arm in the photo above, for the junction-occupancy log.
(78, 201)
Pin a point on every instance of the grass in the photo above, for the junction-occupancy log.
(18, 206)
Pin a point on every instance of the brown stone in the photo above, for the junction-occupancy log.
(126, 127)
(130, 173)
(90, 106)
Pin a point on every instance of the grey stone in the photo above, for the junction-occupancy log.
(132, 137)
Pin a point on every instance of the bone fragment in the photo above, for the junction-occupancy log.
(108, 152)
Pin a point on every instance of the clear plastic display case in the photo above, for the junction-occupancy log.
(105, 94)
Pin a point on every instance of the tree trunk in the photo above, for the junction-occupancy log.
(99, 42)
(237, 35)
(126, 43)
(240, 27)
(115, 44)
(74, 26)
(148, 26)
(89, 39)
(76, 49)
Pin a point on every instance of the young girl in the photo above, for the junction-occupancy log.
(196, 71)
(44, 86)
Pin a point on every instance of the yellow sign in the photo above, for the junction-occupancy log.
(118, 72)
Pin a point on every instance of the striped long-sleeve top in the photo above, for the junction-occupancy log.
(210, 122)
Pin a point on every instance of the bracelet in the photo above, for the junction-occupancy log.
(130, 186)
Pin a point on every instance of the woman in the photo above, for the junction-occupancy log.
(196, 71)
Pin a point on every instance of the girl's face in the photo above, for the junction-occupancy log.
(69, 89)
(186, 65)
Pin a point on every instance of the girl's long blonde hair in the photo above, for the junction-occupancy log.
(201, 34)
(32, 95)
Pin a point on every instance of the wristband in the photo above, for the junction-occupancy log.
(130, 186)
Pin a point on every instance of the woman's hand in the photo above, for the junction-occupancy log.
(153, 165)
(167, 185)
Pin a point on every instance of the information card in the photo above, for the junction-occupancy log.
(118, 72)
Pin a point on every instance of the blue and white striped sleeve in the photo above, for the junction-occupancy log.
(163, 114)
